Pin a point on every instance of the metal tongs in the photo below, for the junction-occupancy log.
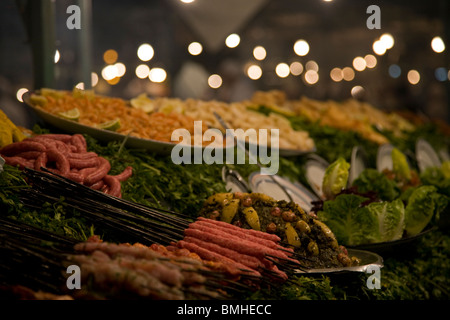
(242, 147)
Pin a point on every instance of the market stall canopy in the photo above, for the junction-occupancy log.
(214, 20)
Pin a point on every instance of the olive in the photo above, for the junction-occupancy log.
(215, 214)
(247, 202)
(288, 216)
(313, 248)
(276, 211)
(303, 226)
(344, 259)
(271, 228)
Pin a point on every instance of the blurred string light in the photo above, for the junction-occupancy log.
(110, 56)
(121, 69)
(215, 81)
(413, 76)
(382, 44)
(145, 52)
(142, 71)
(233, 40)
(195, 48)
(437, 44)
(296, 68)
(312, 65)
(157, 75)
(440, 74)
(395, 71)
(80, 85)
(94, 79)
(336, 74)
(371, 61)
(348, 74)
(359, 64)
(311, 76)
(259, 52)
(110, 72)
(282, 70)
(20, 93)
(301, 47)
(57, 56)
(187, 1)
(357, 92)
(254, 72)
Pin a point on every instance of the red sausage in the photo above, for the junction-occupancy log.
(75, 176)
(22, 146)
(100, 173)
(125, 174)
(81, 155)
(41, 161)
(98, 185)
(113, 185)
(18, 161)
(79, 142)
(255, 233)
(247, 260)
(213, 256)
(81, 163)
(62, 163)
(54, 136)
(29, 155)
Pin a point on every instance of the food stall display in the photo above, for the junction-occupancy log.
(142, 227)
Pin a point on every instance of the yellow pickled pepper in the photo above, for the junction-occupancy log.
(9, 133)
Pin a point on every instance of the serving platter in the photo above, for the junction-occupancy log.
(397, 247)
(367, 259)
(265, 184)
(358, 163)
(159, 147)
(315, 168)
(426, 155)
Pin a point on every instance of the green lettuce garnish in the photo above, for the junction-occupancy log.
(335, 178)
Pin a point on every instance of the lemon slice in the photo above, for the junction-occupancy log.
(72, 114)
(112, 125)
(142, 102)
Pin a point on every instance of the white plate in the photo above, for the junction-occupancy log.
(384, 157)
(357, 164)
(159, 147)
(234, 182)
(368, 260)
(315, 168)
(426, 156)
(265, 184)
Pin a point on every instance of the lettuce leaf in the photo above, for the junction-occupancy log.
(391, 219)
(423, 203)
(354, 224)
(373, 180)
(335, 178)
(350, 223)
(400, 165)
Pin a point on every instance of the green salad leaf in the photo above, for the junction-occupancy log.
(335, 178)
(391, 219)
(423, 203)
(400, 165)
(356, 224)
(350, 223)
(372, 180)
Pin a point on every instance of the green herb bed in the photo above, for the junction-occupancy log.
(421, 273)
